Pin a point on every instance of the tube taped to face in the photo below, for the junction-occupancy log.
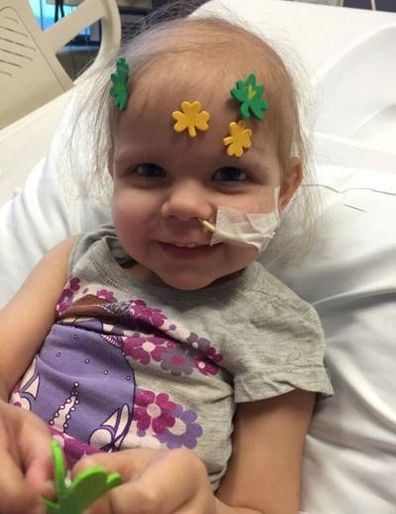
(246, 228)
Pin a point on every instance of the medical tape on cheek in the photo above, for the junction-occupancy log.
(245, 228)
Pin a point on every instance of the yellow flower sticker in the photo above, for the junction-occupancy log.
(239, 139)
(191, 118)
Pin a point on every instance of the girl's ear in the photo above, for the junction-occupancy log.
(291, 181)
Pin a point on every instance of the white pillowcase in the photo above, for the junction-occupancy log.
(47, 211)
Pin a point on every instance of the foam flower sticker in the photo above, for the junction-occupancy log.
(239, 139)
(119, 90)
(85, 489)
(249, 94)
(191, 118)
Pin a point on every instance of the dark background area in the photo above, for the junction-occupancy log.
(382, 5)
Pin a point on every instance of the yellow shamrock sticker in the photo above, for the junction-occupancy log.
(239, 140)
(191, 118)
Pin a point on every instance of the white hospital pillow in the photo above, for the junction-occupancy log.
(350, 277)
(47, 211)
(30, 225)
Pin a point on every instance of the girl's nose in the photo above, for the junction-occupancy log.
(187, 200)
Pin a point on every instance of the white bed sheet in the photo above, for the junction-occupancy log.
(349, 275)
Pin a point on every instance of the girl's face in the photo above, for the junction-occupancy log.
(165, 182)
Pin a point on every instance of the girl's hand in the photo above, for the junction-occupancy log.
(26, 461)
(154, 481)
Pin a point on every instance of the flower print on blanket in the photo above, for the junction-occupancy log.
(84, 382)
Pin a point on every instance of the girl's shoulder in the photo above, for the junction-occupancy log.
(276, 341)
(265, 289)
(269, 309)
(99, 248)
(85, 241)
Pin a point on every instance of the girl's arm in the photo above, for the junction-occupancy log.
(25, 454)
(263, 476)
(265, 468)
(27, 318)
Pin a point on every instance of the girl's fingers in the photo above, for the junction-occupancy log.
(16, 496)
(129, 463)
(37, 461)
(158, 481)
(168, 485)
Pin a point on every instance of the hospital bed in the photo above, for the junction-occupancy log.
(349, 273)
(31, 77)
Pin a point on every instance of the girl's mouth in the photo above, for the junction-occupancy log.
(186, 250)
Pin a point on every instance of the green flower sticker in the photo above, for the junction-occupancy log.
(119, 90)
(249, 94)
(85, 489)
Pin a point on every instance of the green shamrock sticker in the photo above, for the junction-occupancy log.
(249, 94)
(86, 488)
(119, 90)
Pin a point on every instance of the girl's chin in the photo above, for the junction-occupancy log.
(177, 279)
(186, 284)
(185, 281)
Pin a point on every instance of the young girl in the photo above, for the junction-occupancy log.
(169, 341)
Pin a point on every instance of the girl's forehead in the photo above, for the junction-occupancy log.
(163, 90)
(167, 90)
(147, 127)
(155, 97)
(207, 78)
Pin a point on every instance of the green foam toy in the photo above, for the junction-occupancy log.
(85, 489)
(119, 90)
(249, 94)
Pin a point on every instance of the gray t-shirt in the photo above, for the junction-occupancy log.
(171, 365)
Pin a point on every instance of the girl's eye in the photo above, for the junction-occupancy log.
(148, 170)
(230, 174)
